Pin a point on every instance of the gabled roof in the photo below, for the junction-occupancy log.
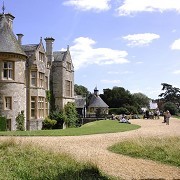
(30, 47)
(97, 102)
(8, 41)
(59, 55)
(80, 102)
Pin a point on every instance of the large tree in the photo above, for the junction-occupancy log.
(117, 97)
(171, 94)
(141, 100)
(81, 90)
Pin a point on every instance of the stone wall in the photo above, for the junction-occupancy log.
(18, 94)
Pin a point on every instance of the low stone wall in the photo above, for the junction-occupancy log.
(35, 125)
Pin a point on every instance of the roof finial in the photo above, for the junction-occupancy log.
(3, 8)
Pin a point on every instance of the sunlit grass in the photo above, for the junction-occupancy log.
(96, 127)
(25, 162)
(165, 150)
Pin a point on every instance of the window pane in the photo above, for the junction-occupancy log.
(33, 106)
(10, 74)
(5, 74)
(5, 65)
(33, 78)
(8, 101)
(10, 65)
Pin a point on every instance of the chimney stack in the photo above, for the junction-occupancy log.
(10, 19)
(20, 38)
(49, 49)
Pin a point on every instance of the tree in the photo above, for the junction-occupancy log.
(81, 90)
(117, 97)
(72, 115)
(141, 99)
(171, 107)
(171, 94)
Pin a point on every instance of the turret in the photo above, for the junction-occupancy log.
(96, 91)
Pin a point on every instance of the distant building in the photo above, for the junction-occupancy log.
(97, 103)
(153, 105)
(28, 73)
(80, 103)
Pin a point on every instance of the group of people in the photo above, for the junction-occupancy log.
(148, 114)
(122, 118)
(153, 114)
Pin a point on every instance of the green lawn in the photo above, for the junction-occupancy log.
(25, 162)
(96, 127)
(164, 150)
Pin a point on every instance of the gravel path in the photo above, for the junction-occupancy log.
(94, 148)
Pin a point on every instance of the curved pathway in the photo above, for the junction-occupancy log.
(93, 148)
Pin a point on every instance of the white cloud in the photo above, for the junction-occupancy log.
(176, 45)
(83, 54)
(174, 30)
(139, 62)
(176, 72)
(130, 7)
(122, 72)
(113, 72)
(86, 5)
(110, 81)
(140, 39)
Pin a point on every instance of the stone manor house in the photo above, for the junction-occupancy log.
(27, 73)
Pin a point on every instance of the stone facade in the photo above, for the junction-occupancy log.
(62, 73)
(27, 72)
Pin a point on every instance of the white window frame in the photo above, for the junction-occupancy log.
(8, 70)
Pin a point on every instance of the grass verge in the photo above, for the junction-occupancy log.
(96, 127)
(164, 150)
(24, 162)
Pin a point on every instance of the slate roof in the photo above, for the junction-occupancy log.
(59, 55)
(30, 47)
(97, 102)
(80, 102)
(8, 41)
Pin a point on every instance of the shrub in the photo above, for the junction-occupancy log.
(60, 117)
(171, 107)
(48, 123)
(120, 110)
(20, 121)
(3, 123)
(131, 109)
(72, 115)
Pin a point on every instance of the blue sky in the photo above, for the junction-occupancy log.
(133, 44)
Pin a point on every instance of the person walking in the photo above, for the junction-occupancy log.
(167, 116)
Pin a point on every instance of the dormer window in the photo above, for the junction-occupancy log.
(8, 70)
(41, 56)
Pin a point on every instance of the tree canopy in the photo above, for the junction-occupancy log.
(141, 99)
(117, 97)
(171, 94)
(81, 90)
